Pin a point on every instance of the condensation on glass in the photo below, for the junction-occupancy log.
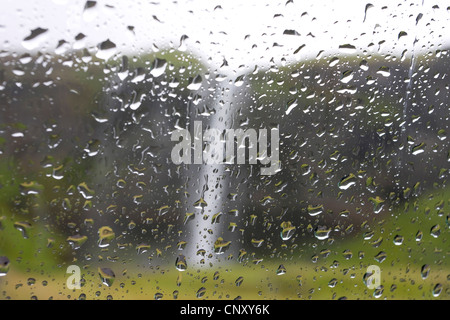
(311, 143)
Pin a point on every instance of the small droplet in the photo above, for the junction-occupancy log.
(34, 39)
(220, 246)
(398, 240)
(435, 231)
(381, 256)
(239, 281)
(4, 266)
(196, 83)
(201, 292)
(106, 50)
(322, 232)
(347, 182)
(105, 235)
(332, 283)
(425, 271)
(437, 290)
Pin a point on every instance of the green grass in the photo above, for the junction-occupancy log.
(400, 270)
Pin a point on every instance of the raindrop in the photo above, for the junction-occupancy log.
(437, 290)
(287, 230)
(220, 246)
(398, 240)
(159, 67)
(76, 241)
(378, 292)
(281, 270)
(291, 104)
(239, 281)
(195, 83)
(347, 182)
(4, 266)
(381, 256)
(315, 210)
(105, 235)
(106, 50)
(384, 71)
(425, 271)
(34, 39)
(257, 242)
(180, 263)
(107, 276)
(435, 231)
(201, 292)
(322, 232)
(23, 227)
(332, 283)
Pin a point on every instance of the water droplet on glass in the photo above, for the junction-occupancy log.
(315, 210)
(76, 241)
(322, 232)
(332, 283)
(34, 39)
(106, 50)
(287, 230)
(196, 83)
(398, 240)
(239, 281)
(24, 227)
(4, 266)
(425, 271)
(105, 235)
(220, 246)
(181, 263)
(159, 67)
(347, 182)
(437, 290)
(281, 270)
(107, 276)
(435, 231)
(201, 292)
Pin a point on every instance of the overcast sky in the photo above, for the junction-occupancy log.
(242, 32)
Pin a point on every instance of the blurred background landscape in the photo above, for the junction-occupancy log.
(86, 176)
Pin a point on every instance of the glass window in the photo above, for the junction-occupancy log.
(224, 150)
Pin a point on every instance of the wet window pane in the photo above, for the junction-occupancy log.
(224, 150)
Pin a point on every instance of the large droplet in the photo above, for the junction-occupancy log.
(4, 266)
(322, 232)
(347, 182)
(281, 270)
(76, 241)
(105, 235)
(201, 292)
(425, 271)
(106, 50)
(180, 263)
(34, 39)
(196, 83)
(220, 246)
(287, 230)
(239, 281)
(107, 276)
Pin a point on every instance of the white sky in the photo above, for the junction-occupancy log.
(242, 32)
